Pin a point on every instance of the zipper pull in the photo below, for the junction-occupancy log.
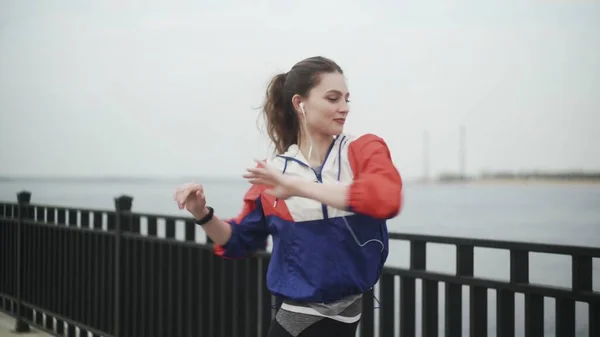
(275, 203)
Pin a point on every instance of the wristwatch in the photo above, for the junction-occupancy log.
(206, 218)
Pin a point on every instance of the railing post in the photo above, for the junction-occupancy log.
(23, 198)
(123, 206)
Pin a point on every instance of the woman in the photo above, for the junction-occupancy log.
(325, 198)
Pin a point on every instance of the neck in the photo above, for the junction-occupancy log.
(320, 145)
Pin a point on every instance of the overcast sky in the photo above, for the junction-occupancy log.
(171, 88)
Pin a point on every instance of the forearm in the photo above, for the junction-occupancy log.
(216, 229)
(334, 195)
(378, 197)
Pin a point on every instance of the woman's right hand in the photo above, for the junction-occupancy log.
(192, 198)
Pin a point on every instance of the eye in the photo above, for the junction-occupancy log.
(335, 99)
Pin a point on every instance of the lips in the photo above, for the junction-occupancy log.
(340, 121)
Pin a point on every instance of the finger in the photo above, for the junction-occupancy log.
(196, 187)
(265, 171)
(190, 194)
(185, 193)
(261, 163)
(181, 188)
(260, 174)
(255, 170)
(180, 204)
(254, 181)
(259, 181)
(177, 197)
(249, 176)
(181, 196)
(267, 168)
(192, 191)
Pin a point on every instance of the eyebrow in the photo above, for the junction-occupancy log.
(333, 91)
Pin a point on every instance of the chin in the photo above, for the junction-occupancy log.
(338, 131)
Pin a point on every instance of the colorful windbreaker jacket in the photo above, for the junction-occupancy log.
(320, 253)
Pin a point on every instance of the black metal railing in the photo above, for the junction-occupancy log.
(110, 273)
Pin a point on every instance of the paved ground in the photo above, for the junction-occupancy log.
(7, 325)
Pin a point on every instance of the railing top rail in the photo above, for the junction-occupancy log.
(101, 210)
(488, 283)
(501, 244)
(60, 207)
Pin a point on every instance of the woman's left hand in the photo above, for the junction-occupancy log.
(282, 186)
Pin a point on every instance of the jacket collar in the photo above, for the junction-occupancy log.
(293, 152)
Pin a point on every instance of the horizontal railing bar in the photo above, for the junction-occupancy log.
(30, 205)
(501, 244)
(48, 313)
(66, 227)
(64, 319)
(8, 297)
(99, 210)
(525, 288)
(43, 328)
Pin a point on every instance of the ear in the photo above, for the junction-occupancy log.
(296, 100)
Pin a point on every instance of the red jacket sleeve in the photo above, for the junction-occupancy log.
(377, 187)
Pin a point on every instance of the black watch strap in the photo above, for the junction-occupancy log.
(206, 218)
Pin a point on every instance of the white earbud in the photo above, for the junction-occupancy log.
(306, 128)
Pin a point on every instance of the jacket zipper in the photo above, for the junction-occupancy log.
(318, 175)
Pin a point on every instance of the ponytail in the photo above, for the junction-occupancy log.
(283, 125)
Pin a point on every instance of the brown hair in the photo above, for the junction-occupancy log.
(283, 123)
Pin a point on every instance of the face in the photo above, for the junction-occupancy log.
(326, 106)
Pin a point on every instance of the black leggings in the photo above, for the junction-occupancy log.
(325, 327)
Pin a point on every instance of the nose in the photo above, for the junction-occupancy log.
(344, 108)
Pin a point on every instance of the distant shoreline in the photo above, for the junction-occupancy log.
(496, 178)
(505, 181)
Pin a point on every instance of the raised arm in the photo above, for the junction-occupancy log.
(377, 187)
